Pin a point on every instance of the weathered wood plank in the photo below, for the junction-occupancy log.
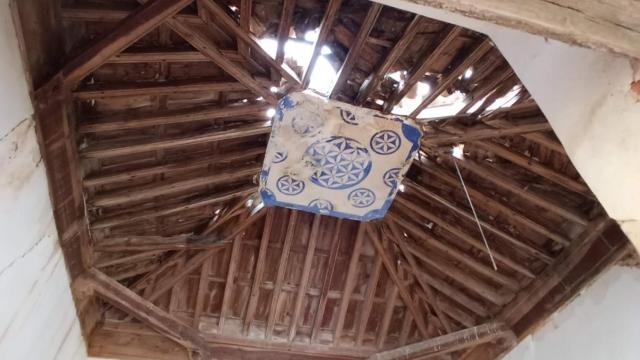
(146, 312)
(354, 51)
(304, 280)
(448, 343)
(325, 29)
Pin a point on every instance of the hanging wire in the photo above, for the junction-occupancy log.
(473, 209)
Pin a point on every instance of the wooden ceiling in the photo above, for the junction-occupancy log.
(152, 120)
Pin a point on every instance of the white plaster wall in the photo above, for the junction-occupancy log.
(37, 314)
(600, 324)
(587, 98)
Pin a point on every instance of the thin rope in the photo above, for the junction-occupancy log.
(473, 209)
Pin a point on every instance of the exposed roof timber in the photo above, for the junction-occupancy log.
(362, 317)
(515, 187)
(133, 120)
(449, 295)
(261, 263)
(227, 295)
(162, 243)
(371, 83)
(388, 313)
(102, 91)
(349, 283)
(484, 200)
(106, 150)
(304, 276)
(481, 268)
(476, 54)
(147, 312)
(325, 29)
(519, 244)
(480, 132)
(246, 10)
(552, 275)
(228, 23)
(354, 51)
(201, 41)
(405, 295)
(282, 268)
(435, 51)
(326, 282)
(288, 6)
(128, 217)
(486, 89)
(448, 343)
(401, 241)
(150, 191)
(534, 166)
(537, 138)
(128, 31)
(197, 260)
(465, 278)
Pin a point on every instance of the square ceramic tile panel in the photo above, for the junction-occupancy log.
(335, 159)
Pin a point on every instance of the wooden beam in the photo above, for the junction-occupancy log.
(553, 274)
(484, 200)
(140, 256)
(245, 25)
(484, 133)
(220, 15)
(146, 312)
(476, 54)
(330, 15)
(371, 84)
(612, 27)
(472, 241)
(180, 116)
(288, 6)
(105, 150)
(433, 53)
(349, 283)
(199, 202)
(282, 268)
(370, 292)
(516, 188)
(132, 28)
(486, 88)
(201, 41)
(404, 292)
(162, 188)
(261, 263)
(386, 316)
(540, 139)
(462, 277)
(229, 283)
(449, 343)
(534, 166)
(452, 292)
(326, 282)
(197, 260)
(200, 294)
(102, 91)
(401, 241)
(354, 51)
(304, 279)
(519, 244)
(217, 160)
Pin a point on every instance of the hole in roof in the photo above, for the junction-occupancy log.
(323, 76)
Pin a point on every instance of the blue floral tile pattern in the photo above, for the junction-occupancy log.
(362, 198)
(290, 186)
(340, 162)
(336, 159)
